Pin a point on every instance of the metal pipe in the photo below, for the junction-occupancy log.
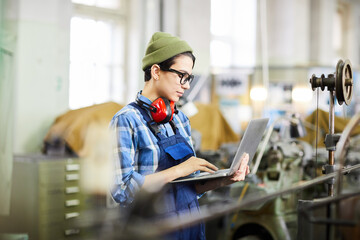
(263, 147)
(166, 225)
(340, 154)
(329, 214)
(340, 149)
(151, 228)
(264, 44)
(161, 20)
(331, 124)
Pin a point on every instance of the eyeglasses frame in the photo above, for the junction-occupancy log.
(183, 81)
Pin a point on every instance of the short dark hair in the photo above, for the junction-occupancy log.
(167, 64)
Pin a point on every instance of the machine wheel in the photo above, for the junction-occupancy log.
(250, 237)
(252, 232)
(344, 82)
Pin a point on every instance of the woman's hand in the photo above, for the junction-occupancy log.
(243, 170)
(239, 175)
(194, 164)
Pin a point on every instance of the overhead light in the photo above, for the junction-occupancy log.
(302, 94)
(258, 94)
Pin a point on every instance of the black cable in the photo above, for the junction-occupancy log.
(316, 132)
(317, 128)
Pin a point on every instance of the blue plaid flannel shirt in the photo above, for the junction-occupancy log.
(136, 152)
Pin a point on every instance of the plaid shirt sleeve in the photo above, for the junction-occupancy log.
(127, 181)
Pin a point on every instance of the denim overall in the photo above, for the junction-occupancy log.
(180, 197)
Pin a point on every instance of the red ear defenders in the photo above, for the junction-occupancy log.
(161, 109)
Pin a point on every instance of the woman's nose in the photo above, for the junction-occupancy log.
(186, 85)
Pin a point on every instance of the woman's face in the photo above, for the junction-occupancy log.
(169, 82)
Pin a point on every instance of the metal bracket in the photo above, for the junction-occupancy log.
(331, 140)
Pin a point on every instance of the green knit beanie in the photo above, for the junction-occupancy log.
(163, 46)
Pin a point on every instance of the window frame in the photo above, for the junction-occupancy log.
(115, 17)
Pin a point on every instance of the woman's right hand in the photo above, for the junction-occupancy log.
(194, 164)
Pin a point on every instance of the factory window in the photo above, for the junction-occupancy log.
(233, 30)
(97, 42)
(111, 4)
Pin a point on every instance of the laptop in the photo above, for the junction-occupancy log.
(249, 144)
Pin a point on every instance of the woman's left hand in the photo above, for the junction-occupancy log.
(243, 170)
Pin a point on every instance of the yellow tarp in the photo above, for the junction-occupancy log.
(213, 127)
(323, 127)
(73, 126)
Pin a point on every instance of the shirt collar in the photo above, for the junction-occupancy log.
(143, 98)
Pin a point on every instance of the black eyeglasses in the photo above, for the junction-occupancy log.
(184, 77)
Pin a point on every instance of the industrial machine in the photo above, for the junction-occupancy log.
(340, 87)
(284, 162)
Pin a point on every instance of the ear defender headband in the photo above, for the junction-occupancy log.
(162, 110)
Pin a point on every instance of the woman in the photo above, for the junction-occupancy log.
(152, 148)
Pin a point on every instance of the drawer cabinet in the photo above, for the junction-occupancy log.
(47, 198)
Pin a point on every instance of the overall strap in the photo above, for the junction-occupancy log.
(173, 126)
(153, 126)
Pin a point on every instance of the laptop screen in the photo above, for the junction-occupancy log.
(249, 142)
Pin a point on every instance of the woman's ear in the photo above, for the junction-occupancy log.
(155, 71)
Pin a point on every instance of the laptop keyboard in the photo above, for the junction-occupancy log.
(207, 173)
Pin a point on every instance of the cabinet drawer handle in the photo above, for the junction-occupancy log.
(72, 177)
(71, 215)
(70, 190)
(72, 231)
(72, 167)
(72, 202)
